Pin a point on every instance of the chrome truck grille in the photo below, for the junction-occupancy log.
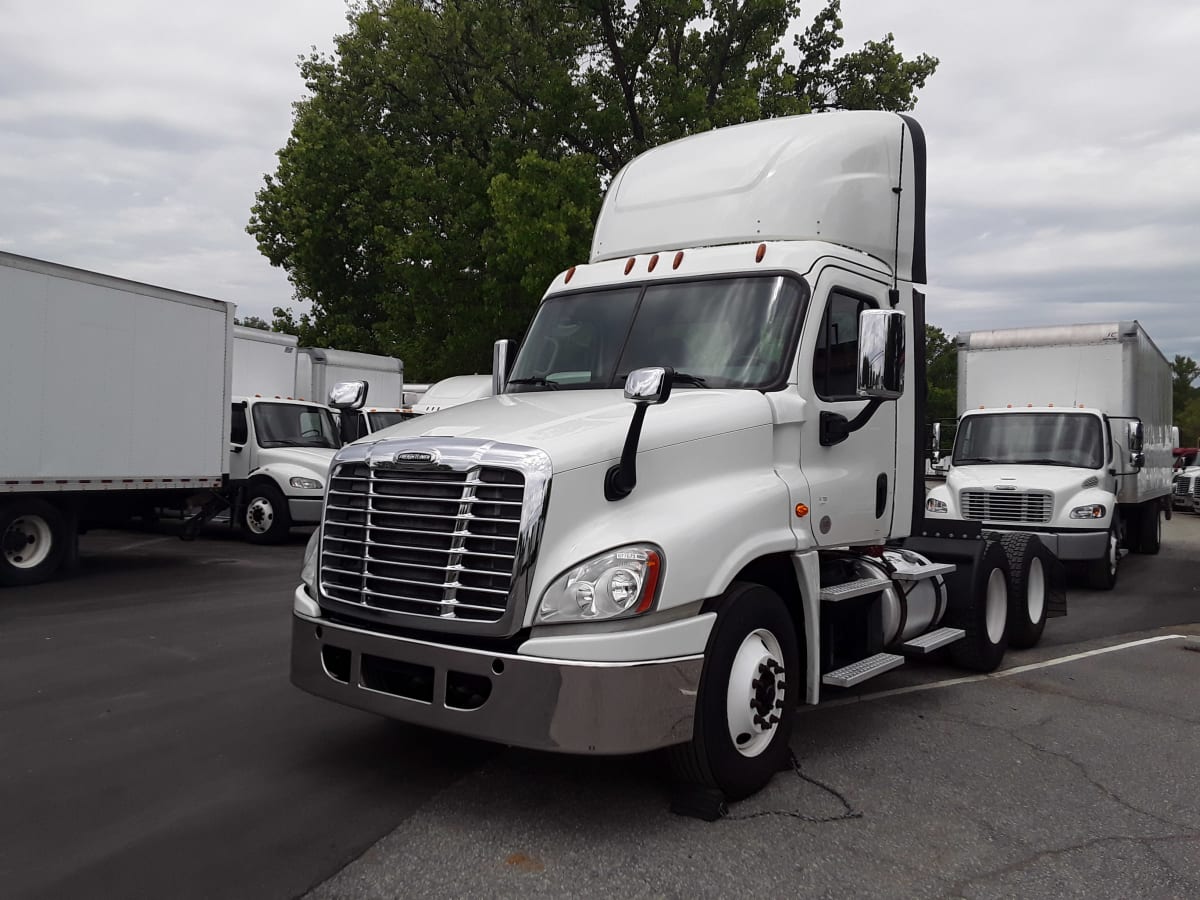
(433, 535)
(1035, 507)
(1184, 485)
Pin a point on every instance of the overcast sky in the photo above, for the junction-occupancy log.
(1064, 148)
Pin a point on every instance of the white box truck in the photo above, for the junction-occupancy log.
(696, 497)
(265, 363)
(1064, 431)
(121, 405)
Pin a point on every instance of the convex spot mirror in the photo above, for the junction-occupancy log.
(651, 385)
(348, 395)
(881, 354)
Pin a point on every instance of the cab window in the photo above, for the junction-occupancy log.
(835, 363)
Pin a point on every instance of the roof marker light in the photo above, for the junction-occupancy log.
(1010, 406)
(629, 265)
(570, 274)
(653, 263)
(760, 253)
(1050, 405)
(678, 260)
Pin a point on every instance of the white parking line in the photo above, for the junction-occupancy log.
(1003, 673)
(135, 544)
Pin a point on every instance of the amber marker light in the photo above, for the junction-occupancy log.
(650, 585)
(653, 263)
(678, 260)
(629, 265)
(760, 253)
(801, 510)
(570, 275)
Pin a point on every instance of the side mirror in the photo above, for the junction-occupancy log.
(504, 354)
(935, 442)
(1136, 438)
(881, 354)
(1137, 460)
(652, 385)
(348, 395)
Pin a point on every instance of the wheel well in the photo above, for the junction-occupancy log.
(777, 572)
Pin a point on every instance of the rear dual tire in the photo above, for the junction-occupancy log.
(1030, 570)
(983, 613)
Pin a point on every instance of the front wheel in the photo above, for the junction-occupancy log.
(32, 542)
(747, 700)
(1102, 572)
(265, 516)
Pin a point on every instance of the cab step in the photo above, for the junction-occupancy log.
(929, 571)
(849, 589)
(848, 676)
(932, 640)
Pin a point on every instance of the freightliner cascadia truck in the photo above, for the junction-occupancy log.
(696, 497)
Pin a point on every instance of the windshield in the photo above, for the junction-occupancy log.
(1049, 439)
(385, 419)
(727, 333)
(292, 425)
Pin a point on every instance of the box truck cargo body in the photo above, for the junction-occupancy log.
(264, 363)
(1065, 430)
(320, 369)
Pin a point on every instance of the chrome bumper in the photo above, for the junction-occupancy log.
(543, 704)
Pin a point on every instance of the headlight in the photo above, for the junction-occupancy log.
(308, 571)
(305, 484)
(936, 506)
(1095, 511)
(616, 584)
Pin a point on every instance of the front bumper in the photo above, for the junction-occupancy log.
(305, 510)
(544, 704)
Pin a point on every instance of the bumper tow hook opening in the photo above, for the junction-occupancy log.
(467, 691)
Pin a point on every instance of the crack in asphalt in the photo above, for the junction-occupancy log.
(1055, 691)
(959, 887)
(848, 811)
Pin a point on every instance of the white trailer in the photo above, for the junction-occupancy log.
(264, 363)
(118, 401)
(1064, 431)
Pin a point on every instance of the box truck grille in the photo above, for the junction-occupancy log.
(1007, 506)
(434, 543)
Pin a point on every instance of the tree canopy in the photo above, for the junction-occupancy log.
(449, 157)
(1186, 399)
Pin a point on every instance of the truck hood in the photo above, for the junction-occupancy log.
(1045, 478)
(315, 459)
(578, 428)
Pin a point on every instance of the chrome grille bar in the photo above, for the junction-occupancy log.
(1007, 506)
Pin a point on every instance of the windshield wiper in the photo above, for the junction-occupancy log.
(1049, 462)
(536, 380)
(688, 378)
(968, 460)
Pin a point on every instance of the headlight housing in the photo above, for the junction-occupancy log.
(1091, 511)
(308, 571)
(305, 484)
(934, 505)
(617, 584)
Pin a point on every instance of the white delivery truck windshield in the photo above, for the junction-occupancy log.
(723, 332)
(1043, 439)
(292, 425)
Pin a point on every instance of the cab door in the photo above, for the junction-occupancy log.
(852, 476)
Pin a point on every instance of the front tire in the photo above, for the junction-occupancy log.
(746, 705)
(265, 516)
(1102, 572)
(33, 541)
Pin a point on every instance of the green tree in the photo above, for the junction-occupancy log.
(449, 157)
(1186, 399)
(253, 322)
(941, 377)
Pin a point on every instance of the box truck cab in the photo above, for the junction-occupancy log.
(695, 498)
(1030, 455)
(279, 456)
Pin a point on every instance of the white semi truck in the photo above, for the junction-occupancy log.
(121, 406)
(696, 498)
(1064, 431)
(453, 391)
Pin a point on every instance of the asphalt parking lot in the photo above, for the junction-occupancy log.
(153, 747)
